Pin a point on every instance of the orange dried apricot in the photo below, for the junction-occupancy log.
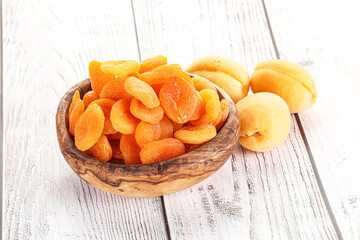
(212, 107)
(166, 128)
(98, 78)
(147, 132)
(199, 109)
(114, 136)
(192, 147)
(74, 115)
(201, 83)
(120, 68)
(186, 76)
(75, 99)
(106, 105)
(75, 110)
(116, 161)
(224, 105)
(161, 150)
(196, 134)
(90, 97)
(142, 91)
(89, 127)
(178, 99)
(176, 126)
(121, 118)
(115, 90)
(157, 88)
(129, 149)
(151, 63)
(161, 74)
(217, 120)
(115, 146)
(139, 110)
(135, 74)
(101, 150)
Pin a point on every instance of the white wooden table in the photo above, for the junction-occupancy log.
(308, 188)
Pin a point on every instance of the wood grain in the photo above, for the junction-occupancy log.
(328, 48)
(270, 195)
(147, 180)
(259, 196)
(47, 47)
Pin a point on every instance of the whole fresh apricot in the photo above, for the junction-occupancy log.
(265, 121)
(288, 80)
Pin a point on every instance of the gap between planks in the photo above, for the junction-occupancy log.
(162, 197)
(306, 143)
(1, 122)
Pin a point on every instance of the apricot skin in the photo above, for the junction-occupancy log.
(121, 118)
(89, 127)
(212, 107)
(201, 83)
(102, 150)
(288, 80)
(265, 121)
(161, 150)
(196, 134)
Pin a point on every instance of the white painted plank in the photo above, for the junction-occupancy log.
(47, 47)
(323, 37)
(259, 196)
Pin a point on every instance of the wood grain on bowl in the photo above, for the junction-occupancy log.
(147, 180)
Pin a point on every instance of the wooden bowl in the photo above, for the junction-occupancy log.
(147, 180)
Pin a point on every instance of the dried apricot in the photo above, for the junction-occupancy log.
(90, 97)
(116, 161)
(166, 128)
(196, 134)
(115, 90)
(115, 146)
(98, 78)
(201, 83)
(135, 74)
(186, 76)
(75, 110)
(147, 132)
(75, 99)
(121, 118)
(178, 99)
(199, 109)
(129, 149)
(151, 63)
(224, 105)
(139, 110)
(161, 74)
(101, 150)
(212, 107)
(176, 126)
(106, 105)
(89, 127)
(142, 91)
(192, 147)
(120, 68)
(114, 136)
(161, 150)
(75, 114)
(157, 88)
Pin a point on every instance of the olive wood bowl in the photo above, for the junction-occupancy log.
(147, 180)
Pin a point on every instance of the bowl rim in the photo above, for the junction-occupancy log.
(70, 149)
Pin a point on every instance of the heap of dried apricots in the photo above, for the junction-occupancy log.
(143, 112)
